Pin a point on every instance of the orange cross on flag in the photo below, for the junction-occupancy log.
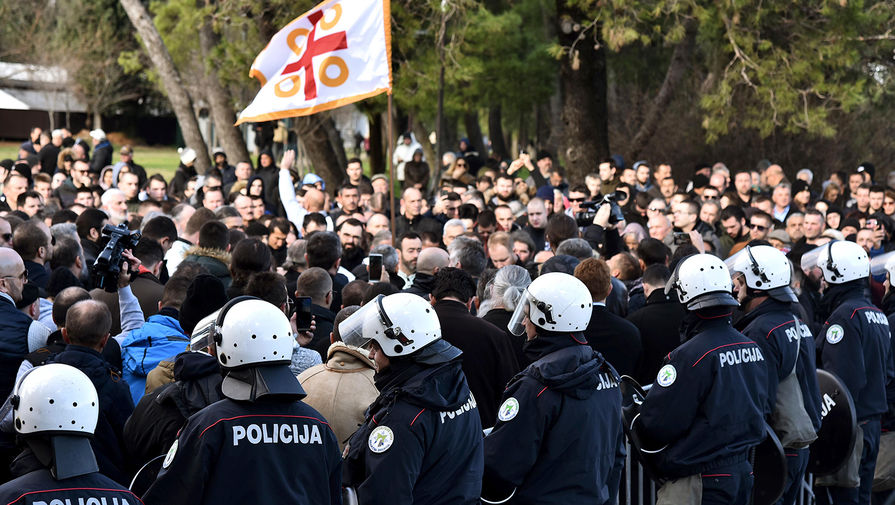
(337, 53)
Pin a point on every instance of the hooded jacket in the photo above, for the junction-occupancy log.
(178, 183)
(153, 427)
(161, 337)
(434, 453)
(341, 389)
(561, 411)
(215, 261)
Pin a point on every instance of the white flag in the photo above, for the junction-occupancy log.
(337, 53)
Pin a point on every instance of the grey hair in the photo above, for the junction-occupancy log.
(575, 247)
(508, 285)
(295, 254)
(389, 256)
(455, 222)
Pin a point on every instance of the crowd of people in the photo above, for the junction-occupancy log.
(509, 297)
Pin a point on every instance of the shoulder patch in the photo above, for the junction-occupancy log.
(508, 409)
(667, 376)
(381, 439)
(169, 458)
(835, 334)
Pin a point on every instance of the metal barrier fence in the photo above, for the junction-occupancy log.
(638, 489)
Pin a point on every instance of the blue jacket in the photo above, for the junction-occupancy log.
(13, 343)
(115, 406)
(421, 442)
(35, 484)
(772, 327)
(708, 403)
(242, 452)
(855, 345)
(558, 437)
(160, 338)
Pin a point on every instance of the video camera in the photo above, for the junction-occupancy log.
(586, 217)
(108, 264)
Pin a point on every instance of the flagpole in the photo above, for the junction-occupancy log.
(391, 169)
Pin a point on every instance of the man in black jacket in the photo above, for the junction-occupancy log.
(489, 359)
(86, 331)
(429, 262)
(658, 322)
(613, 337)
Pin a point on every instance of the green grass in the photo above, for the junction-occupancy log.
(162, 160)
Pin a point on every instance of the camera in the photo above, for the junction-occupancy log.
(586, 217)
(108, 263)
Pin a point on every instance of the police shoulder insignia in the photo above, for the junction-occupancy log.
(508, 409)
(667, 376)
(835, 334)
(381, 439)
(169, 458)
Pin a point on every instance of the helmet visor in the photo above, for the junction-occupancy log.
(736, 262)
(809, 259)
(517, 320)
(367, 317)
(878, 264)
(203, 334)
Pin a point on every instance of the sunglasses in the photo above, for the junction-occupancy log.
(656, 209)
(577, 199)
(22, 276)
(713, 197)
(757, 227)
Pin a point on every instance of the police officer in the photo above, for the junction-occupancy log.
(761, 281)
(55, 408)
(421, 441)
(855, 347)
(558, 436)
(706, 409)
(259, 444)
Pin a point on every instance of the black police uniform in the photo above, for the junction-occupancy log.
(37, 485)
(558, 437)
(772, 325)
(421, 442)
(707, 407)
(260, 452)
(856, 347)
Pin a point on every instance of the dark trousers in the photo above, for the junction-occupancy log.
(728, 485)
(796, 464)
(857, 495)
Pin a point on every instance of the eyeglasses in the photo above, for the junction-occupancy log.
(577, 199)
(757, 227)
(713, 197)
(656, 209)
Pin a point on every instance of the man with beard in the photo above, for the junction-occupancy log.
(114, 203)
(351, 235)
(503, 191)
(348, 198)
(410, 244)
(733, 220)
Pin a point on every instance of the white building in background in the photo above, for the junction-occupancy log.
(36, 95)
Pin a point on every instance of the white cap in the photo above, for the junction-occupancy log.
(187, 156)
(98, 134)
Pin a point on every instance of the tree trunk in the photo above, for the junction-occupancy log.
(422, 136)
(170, 78)
(677, 69)
(495, 132)
(474, 133)
(222, 113)
(585, 138)
(377, 148)
(335, 139)
(315, 138)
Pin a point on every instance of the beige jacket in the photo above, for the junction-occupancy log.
(341, 389)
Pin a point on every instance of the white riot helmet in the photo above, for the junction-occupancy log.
(58, 404)
(254, 342)
(764, 268)
(842, 261)
(556, 302)
(403, 324)
(701, 281)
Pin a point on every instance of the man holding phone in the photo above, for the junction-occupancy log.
(314, 292)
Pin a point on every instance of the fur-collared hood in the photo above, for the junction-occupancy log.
(218, 254)
(357, 353)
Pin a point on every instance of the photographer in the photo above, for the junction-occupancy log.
(602, 235)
